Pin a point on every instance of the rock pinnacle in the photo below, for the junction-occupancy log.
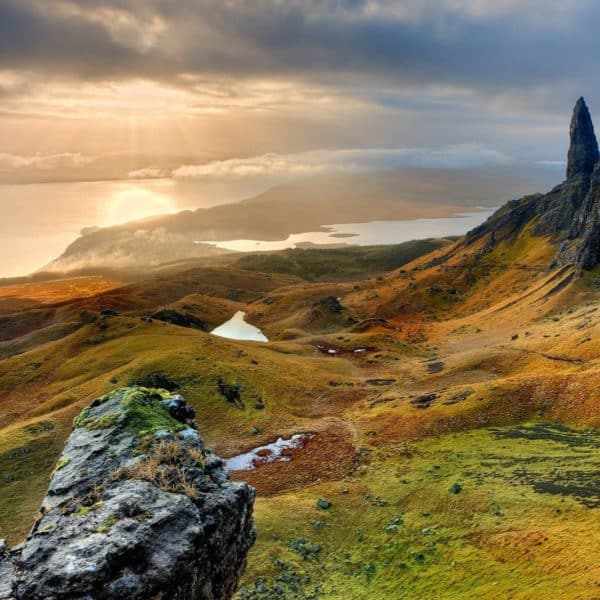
(583, 151)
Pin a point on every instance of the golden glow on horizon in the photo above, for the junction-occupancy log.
(130, 202)
(187, 96)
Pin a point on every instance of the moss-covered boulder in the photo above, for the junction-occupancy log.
(137, 507)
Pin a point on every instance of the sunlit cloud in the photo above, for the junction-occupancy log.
(148, 173)
(241, 78)
(353, 160)
(43, 162)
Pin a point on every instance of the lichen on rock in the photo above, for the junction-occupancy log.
(137, 508)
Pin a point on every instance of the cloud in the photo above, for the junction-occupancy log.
(148, 173)
(318, 162)
(43, 162)
(462, 42)
(241, 76)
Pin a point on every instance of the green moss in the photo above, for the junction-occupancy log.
(143, 413)
(140, 412)
(104, 422)
(107, 524)
(61, 464)
(82, 511)
(81, 419)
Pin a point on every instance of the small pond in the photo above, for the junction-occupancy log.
(269, 453)
(238, 329)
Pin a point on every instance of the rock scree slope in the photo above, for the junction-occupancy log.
(137, 507)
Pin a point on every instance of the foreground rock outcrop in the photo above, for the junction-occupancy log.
(569, 214)
(137, 508)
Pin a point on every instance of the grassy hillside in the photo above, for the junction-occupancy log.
(452, 406)
(338, 263)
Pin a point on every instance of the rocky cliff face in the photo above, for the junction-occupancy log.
(137, 508)
(569, 213)
(582, 246)
(583, 150)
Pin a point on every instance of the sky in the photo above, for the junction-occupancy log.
(234, 88)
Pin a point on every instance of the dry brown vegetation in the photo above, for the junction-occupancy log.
(164, 466)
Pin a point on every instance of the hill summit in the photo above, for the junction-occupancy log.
(583, 150)
(568, 214)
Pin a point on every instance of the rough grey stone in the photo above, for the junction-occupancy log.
(6, 572)
(583, 150)
(582, 246)
(132, 514)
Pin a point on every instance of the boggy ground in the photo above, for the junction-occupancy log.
(453, 405)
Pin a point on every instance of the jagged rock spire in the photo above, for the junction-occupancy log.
(583, 151)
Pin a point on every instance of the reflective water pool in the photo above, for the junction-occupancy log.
(238, 329)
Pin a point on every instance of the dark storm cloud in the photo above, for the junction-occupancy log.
(34, 40)
(455, 42)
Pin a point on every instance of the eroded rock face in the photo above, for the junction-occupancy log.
(583, 150)
(137, 508)
(569, 214)
(582, 247)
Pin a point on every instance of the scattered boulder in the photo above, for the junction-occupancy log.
(137, 508)
(424, 401)
(459, 397)
(330, 303)
(305, 548)
(157, 379)
(435, 367)
(323, 504)
(175, 317)
(389, 381)
(231, 392)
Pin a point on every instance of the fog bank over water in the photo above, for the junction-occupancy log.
(38, 221)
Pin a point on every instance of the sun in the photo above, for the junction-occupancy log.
(132, 201)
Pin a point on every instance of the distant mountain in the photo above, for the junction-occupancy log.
(302, 206)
